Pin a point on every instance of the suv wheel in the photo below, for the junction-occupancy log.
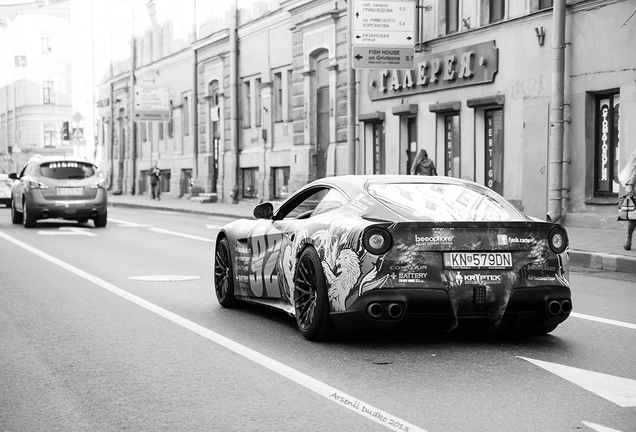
(100, 220)
(28, 220)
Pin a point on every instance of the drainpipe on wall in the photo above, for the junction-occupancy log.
(234, 103)
(351, 100)
(555, 167)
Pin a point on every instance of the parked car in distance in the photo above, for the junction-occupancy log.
(57, 187)
(373, 252)
(5, 189)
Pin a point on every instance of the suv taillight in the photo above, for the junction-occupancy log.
(33, 184)
(100, 184)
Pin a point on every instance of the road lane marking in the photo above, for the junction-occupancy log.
(330, 393)
(175, 233)
(214, 227)
(604, 320)
(619, 390)
(126, 224)
(68, 231)
(599, 428)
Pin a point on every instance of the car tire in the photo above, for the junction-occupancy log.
(101, 220)
(16, 216)
(311, 302)
(224, 275)
(27, 219)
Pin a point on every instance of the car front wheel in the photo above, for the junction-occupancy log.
(28, 220)
(310, 298)
(16, 216)
(224, 276)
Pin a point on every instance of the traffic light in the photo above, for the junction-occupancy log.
(65, 135)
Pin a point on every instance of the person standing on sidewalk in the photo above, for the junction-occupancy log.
(627, 178)
(155, 182)
(422, 165)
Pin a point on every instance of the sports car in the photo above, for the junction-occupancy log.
(374, 252)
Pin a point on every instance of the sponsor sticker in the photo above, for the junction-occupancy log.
(477, 278)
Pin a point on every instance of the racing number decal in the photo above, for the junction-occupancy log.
(265, 244)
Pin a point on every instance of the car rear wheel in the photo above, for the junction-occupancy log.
(310, 298)
(101, 220)
(27, 219)
(16, 216)
(224, 276)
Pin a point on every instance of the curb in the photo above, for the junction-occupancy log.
(603, 261)
(172, 209)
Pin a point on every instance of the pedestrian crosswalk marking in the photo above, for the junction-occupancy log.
(69, 231)
(619, 390)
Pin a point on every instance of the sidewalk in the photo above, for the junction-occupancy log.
(589, 247)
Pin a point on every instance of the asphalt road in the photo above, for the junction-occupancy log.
(118, 329)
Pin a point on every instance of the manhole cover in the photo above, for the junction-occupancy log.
(164, 278)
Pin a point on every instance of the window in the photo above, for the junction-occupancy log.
(250, 186)
(290, 96)
(50, 135)
(160, 126)
(332, 201)
(142, 132)
(48, 93)
(494, 147)
(278, 96)
(171, 123)
(378, 148)
(247, 101)
(150, 134)
(185, 117)
(45, 41)
(545, 4)
(452, 16)
(496, 10)
(452, 147)
(281, 182)
(606, 144)
(259, 102)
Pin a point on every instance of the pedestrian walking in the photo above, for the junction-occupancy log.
(422, 165)
(155, 182)
(627, 177)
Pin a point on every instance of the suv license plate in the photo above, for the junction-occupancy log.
(477, 260)
(70, 191)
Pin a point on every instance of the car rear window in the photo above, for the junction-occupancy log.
(442, 202)
(67, 170)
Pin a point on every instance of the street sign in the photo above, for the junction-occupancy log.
(383, 57)
(388, 22)
(152, 104)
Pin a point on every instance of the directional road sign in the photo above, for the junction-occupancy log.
(383, 57)
(388, 22)
(152, 104)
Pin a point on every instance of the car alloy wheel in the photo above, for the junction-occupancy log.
(310, 298)
(223, 275)
(27, 219)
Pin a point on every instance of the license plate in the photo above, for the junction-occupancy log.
(70, 191)
(477, 260)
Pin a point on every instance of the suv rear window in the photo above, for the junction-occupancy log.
(67, 170)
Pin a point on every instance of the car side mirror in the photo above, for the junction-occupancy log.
(264, 210)
(13, 176)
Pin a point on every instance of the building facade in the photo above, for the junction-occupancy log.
(261, 97)
(35, 84)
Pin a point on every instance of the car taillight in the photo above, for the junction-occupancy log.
(37, 185)
(100, 184)
(377, 240)
(558, 240)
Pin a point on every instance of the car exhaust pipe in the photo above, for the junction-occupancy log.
(45, 214)
(554, 307)
(93, 213)
(374, 310)
(566, 306)
(395, 310)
